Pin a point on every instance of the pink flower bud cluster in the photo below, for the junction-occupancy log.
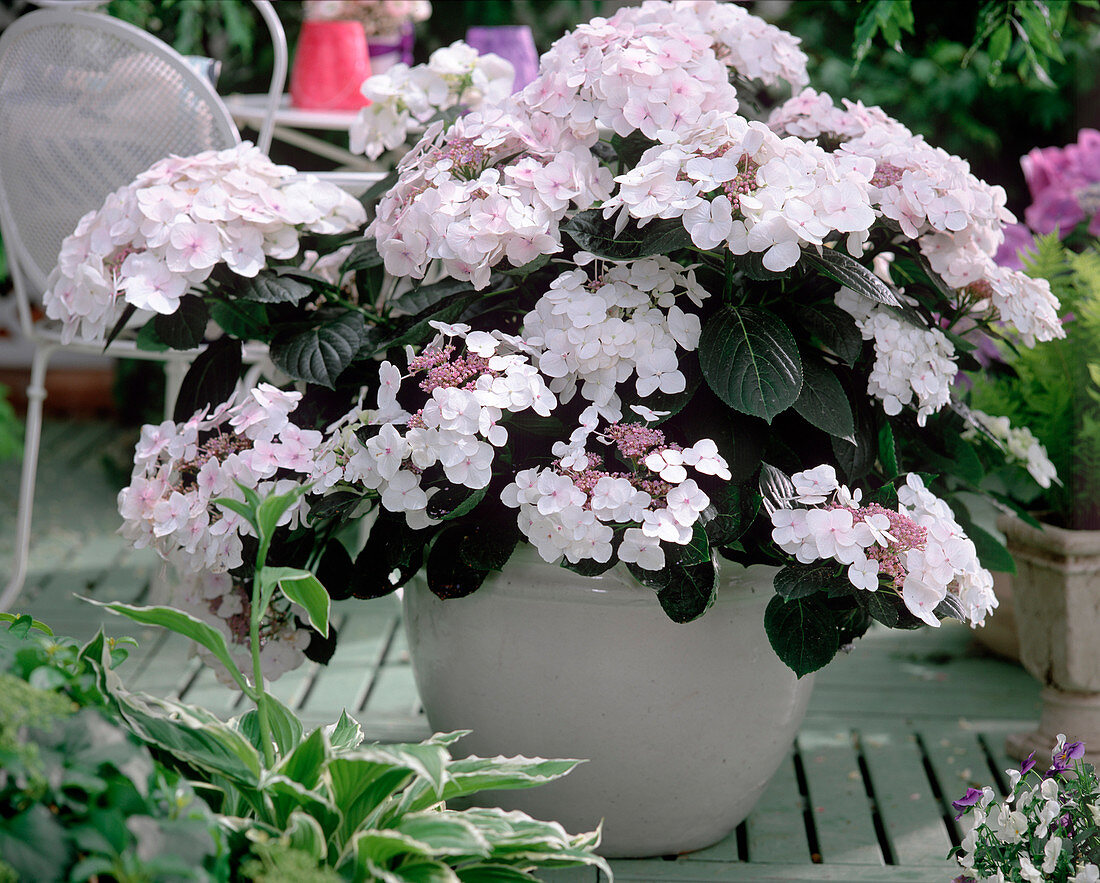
(920, 548)
(165, 232)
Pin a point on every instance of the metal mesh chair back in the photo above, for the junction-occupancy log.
(86, 103)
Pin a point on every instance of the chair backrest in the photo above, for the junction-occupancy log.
(86, 103)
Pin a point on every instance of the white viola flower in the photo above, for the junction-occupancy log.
(1051, 853)
(638, 548)
(1090, 873)
(1030, 873)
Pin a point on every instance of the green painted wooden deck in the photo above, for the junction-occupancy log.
(895, 730)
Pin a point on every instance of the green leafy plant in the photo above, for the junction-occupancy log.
(326, 800)
(1054, 389)
(81, 798)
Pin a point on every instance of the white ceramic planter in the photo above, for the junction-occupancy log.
(683, 724)
(1057, 595)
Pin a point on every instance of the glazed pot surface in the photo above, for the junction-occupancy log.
(682, 724)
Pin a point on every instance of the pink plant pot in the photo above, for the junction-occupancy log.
(330, 65)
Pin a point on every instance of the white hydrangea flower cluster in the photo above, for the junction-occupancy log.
(919, 551)
(736, 183)
(219, 601)
(1020, 445)
(166, 231)
(457, 430)
(179, 469)
(569, 508)
(593, 332)
(404, 99)
(957, 219)
(913, 365)
(658, 67)
(494, 187)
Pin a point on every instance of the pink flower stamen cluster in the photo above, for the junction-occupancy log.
(906, 534)
(886, 175)
(635, 440)
(445, 371)
(743, 184)
(468, 156)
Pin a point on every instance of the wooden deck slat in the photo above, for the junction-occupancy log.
(776, 830)
(911, 814)
(838, 798)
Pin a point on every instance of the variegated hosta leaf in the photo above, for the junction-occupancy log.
(446, 832)
(473, 774)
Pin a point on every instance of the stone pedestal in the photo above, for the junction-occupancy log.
(1057, 596)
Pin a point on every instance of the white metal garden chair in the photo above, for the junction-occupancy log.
(86, 103)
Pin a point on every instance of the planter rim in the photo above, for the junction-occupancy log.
(737, 583)
(1049, 538)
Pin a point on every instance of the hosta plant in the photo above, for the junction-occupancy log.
(641, 314)
(326, 801)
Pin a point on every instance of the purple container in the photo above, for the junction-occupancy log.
(511, 42)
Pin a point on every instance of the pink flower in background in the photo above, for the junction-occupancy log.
(1064, 184)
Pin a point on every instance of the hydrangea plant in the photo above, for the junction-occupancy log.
(631, 317)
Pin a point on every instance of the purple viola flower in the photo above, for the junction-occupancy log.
(970, 798)
(1070, 751)
(1028, 764)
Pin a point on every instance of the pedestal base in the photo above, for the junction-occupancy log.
(1076, 715)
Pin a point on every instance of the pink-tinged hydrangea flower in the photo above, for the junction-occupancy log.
(918, 551)
(1019, 444)
(404, 99)
(456, 430)
(564, 506)
(166, 231)
(658, 67)
(736, 183)
(493, 188)
(913, 365)
(224, 603)
(179, 469)
(957, 220)
(596, 329)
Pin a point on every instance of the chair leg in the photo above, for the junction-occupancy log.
(174, 372)
(36, 393)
